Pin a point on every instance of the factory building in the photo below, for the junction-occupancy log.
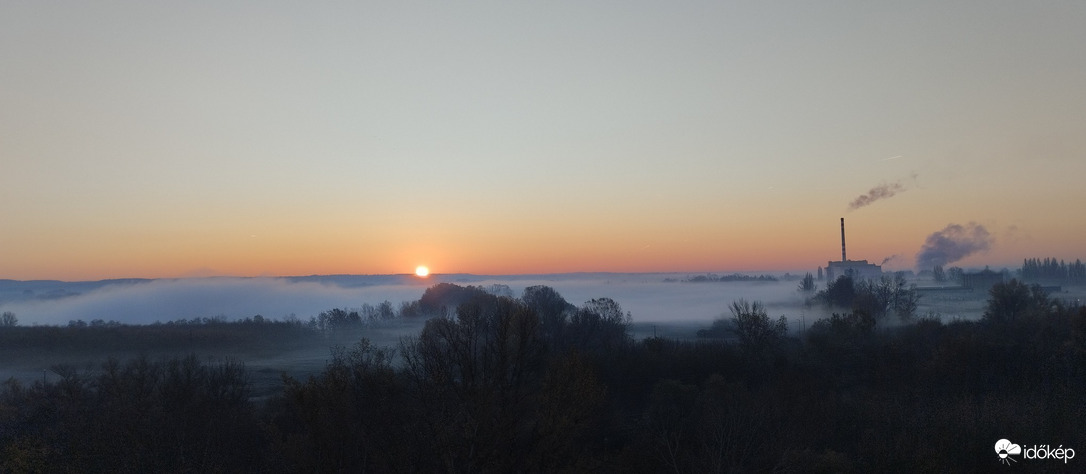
(858, 269)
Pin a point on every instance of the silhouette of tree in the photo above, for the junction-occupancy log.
(345, 419)
(848, 325)
(599, 326)
(553, 312)
(873, 297)
(954, 274)
(807, 284)
(885, 295)
(838, 293)
(1014, 300)
(756, 332)
(475, 376)
(444, 298)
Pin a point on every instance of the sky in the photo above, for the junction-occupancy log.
(180, 139)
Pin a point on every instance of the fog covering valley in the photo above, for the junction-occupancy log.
(670, 305)
(661, 298)
(649, 297)
(667, 304)
(673, 305)
(599, 372)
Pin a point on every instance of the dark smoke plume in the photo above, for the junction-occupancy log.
(881, 191)
(953, 243)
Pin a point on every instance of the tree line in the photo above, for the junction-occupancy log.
(734, 277)
(1050, 269)
(537, 384)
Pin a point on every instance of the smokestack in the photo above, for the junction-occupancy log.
(843, 259)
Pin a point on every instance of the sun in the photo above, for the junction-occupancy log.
(422, 271)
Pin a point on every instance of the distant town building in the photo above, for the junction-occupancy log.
(983, 280)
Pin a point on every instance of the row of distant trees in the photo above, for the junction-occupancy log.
(734, 277)
(1034, 269)
(952, 274)
(1047, 270)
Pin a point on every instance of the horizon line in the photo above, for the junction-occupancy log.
(450, 274)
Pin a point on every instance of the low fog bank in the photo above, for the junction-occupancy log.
(649, 297)
(147, 302)
(664, 298)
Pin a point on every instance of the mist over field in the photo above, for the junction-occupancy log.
(648, 297)
(150, 301)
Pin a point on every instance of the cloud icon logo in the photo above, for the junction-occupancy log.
(1004, 448)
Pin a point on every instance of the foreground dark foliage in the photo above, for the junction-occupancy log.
(137, 416)
(538, 385)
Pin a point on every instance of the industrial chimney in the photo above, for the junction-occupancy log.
(843, 259)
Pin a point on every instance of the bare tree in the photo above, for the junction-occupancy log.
(756, 332)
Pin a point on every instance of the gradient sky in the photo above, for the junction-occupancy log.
(165, 139)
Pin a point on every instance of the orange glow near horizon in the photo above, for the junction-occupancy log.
(708, 253)
(696, 243)
(574, 264)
